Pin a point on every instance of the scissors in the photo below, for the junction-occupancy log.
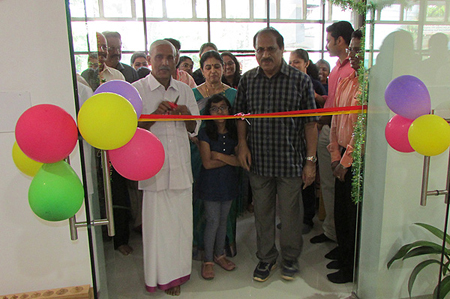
(174, 105)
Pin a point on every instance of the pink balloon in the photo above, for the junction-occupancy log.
(46, 133)
(141, 158)
(397, 133)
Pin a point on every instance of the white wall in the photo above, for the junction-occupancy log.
(393, 185)
(35, 61)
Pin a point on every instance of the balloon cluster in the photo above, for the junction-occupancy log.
(413, 128)
(46, 135)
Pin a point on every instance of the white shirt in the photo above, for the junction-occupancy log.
(109, 74)
(176, 172)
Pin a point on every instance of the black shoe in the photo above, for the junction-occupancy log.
(279, 225)
(339, 277)
(320, 239)
(334, 265)
(333, 254)
(306, 229)
(289, 269)
(262, 271)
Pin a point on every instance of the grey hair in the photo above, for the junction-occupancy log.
(160, 42)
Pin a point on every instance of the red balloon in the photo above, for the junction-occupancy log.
(141, 158)
(397, 133)
(46, 133)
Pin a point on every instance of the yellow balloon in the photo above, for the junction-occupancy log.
(25, 164)
(429, 135)
(107, 121)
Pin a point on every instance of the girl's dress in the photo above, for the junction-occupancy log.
(196, 164)
(218, 185)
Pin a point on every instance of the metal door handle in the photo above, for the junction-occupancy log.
(109, 221)
(425, 193)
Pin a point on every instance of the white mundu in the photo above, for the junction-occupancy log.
(167, 202)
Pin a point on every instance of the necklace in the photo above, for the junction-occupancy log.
(222, 91)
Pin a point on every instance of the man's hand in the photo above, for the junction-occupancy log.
(180, 110)
(163, 108)
(339, 171)
(184, 110)
(195, 140)
(244, 156)
(333, 165)
(308, 174)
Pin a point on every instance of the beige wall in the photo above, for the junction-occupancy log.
(35, 62)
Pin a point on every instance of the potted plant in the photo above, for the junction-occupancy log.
(422, 247)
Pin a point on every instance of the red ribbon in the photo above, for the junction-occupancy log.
(297, 113)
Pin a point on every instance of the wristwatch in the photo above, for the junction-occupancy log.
(342, 166)
(312, 159)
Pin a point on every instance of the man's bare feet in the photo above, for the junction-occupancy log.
(125, 249)
(175, 291)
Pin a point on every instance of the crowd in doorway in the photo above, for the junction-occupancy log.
(280, 169)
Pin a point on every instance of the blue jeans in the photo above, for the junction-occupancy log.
(216, 214)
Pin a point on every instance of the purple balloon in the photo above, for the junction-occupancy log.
(408, 96)
(124, 89)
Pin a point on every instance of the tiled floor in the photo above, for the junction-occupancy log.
(126, 278)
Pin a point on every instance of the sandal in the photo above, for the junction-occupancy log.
(125, 249)
(208, 270)
(223, 262)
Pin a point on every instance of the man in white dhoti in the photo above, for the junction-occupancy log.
(167, 202)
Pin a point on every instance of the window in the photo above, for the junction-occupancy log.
(233, 24)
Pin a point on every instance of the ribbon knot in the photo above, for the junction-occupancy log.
(243, 116)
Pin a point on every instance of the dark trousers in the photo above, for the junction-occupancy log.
(265, 191)
(121, 208)
(309, 204)
(345, 211)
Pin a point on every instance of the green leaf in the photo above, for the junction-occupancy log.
(416, 270)
(435, 249)
(435, 231)
(406, 248)
(445, 270)
(445, 288)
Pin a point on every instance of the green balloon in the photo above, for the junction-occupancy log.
(56, 193)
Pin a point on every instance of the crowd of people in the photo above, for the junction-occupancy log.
(215, 169)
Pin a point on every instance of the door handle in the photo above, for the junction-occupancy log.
(425, 174)
(109, 221)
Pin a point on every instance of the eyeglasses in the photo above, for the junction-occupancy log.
(103, 47)
(355, 50)
(216, 109)
(210, 66)
(113, 49)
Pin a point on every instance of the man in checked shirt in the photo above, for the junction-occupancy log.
(280, 153)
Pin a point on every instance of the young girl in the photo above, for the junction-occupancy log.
(217, 182)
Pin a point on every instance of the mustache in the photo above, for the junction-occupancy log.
(114, 55)
(164, 68)
(267, 59)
